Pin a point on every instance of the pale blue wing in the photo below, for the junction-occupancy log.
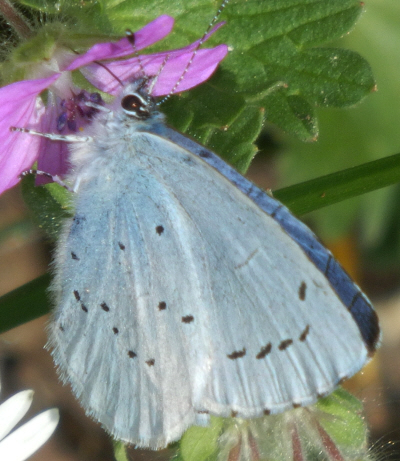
(282, 333)
(179, 296)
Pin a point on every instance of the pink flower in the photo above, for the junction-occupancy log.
(22, 106)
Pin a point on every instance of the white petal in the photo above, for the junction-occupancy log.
(19, 445)
(13, 409)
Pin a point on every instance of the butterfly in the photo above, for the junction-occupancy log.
(182, 290)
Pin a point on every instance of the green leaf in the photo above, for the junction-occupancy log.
(293, 114)
(327, 77)
(120, 451)
(348, 427)
(200, 443)
(243, 132)
(24, 304)
(270, 54)
(333, 188)
(49, 205)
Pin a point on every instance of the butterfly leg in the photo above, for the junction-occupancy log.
(52, 136)
(55, 178)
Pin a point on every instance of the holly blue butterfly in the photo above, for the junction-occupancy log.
(183, 290)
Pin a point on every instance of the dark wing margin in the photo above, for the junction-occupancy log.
(348, 292)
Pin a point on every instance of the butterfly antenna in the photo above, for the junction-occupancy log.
(104, 67)
(131, 39)
(200, 43)
(109, 71)
(155, 78)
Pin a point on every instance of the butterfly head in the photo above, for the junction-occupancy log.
(136, 102)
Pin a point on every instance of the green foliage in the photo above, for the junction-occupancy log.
(335, 423)
(346, 426)
(119, 452)
(352, 137)
(273, 66)
(200, 443)
(336, 187)
(24, 304)
(49, 205)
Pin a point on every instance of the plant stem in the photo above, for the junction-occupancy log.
(15, 19)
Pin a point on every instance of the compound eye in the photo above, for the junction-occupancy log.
(134, 105)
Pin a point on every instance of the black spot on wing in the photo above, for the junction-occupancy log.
(237, 354)
(285, 344)
(264, 351)
(159, 230)
(273, 214)
(366, 319)
(267, 411)
(61, 328)
(132, 354)
(115, 330)
(77, 222)
(77, 295)
(362, 311)
(79, 219)
(121, 245)
(162, 305)
(73, 255)
(150, 362)
(304, 334)
(187, 319)
(354, 300)
(104, 307)
(328, 263)
(204, 154)
(302, 291)
(84, 308)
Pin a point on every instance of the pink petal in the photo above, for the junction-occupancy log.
(149, 34)
(19, 106)
(53, 155)
(175, 63)
(202, 67)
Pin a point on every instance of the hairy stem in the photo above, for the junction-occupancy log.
(15, 19)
